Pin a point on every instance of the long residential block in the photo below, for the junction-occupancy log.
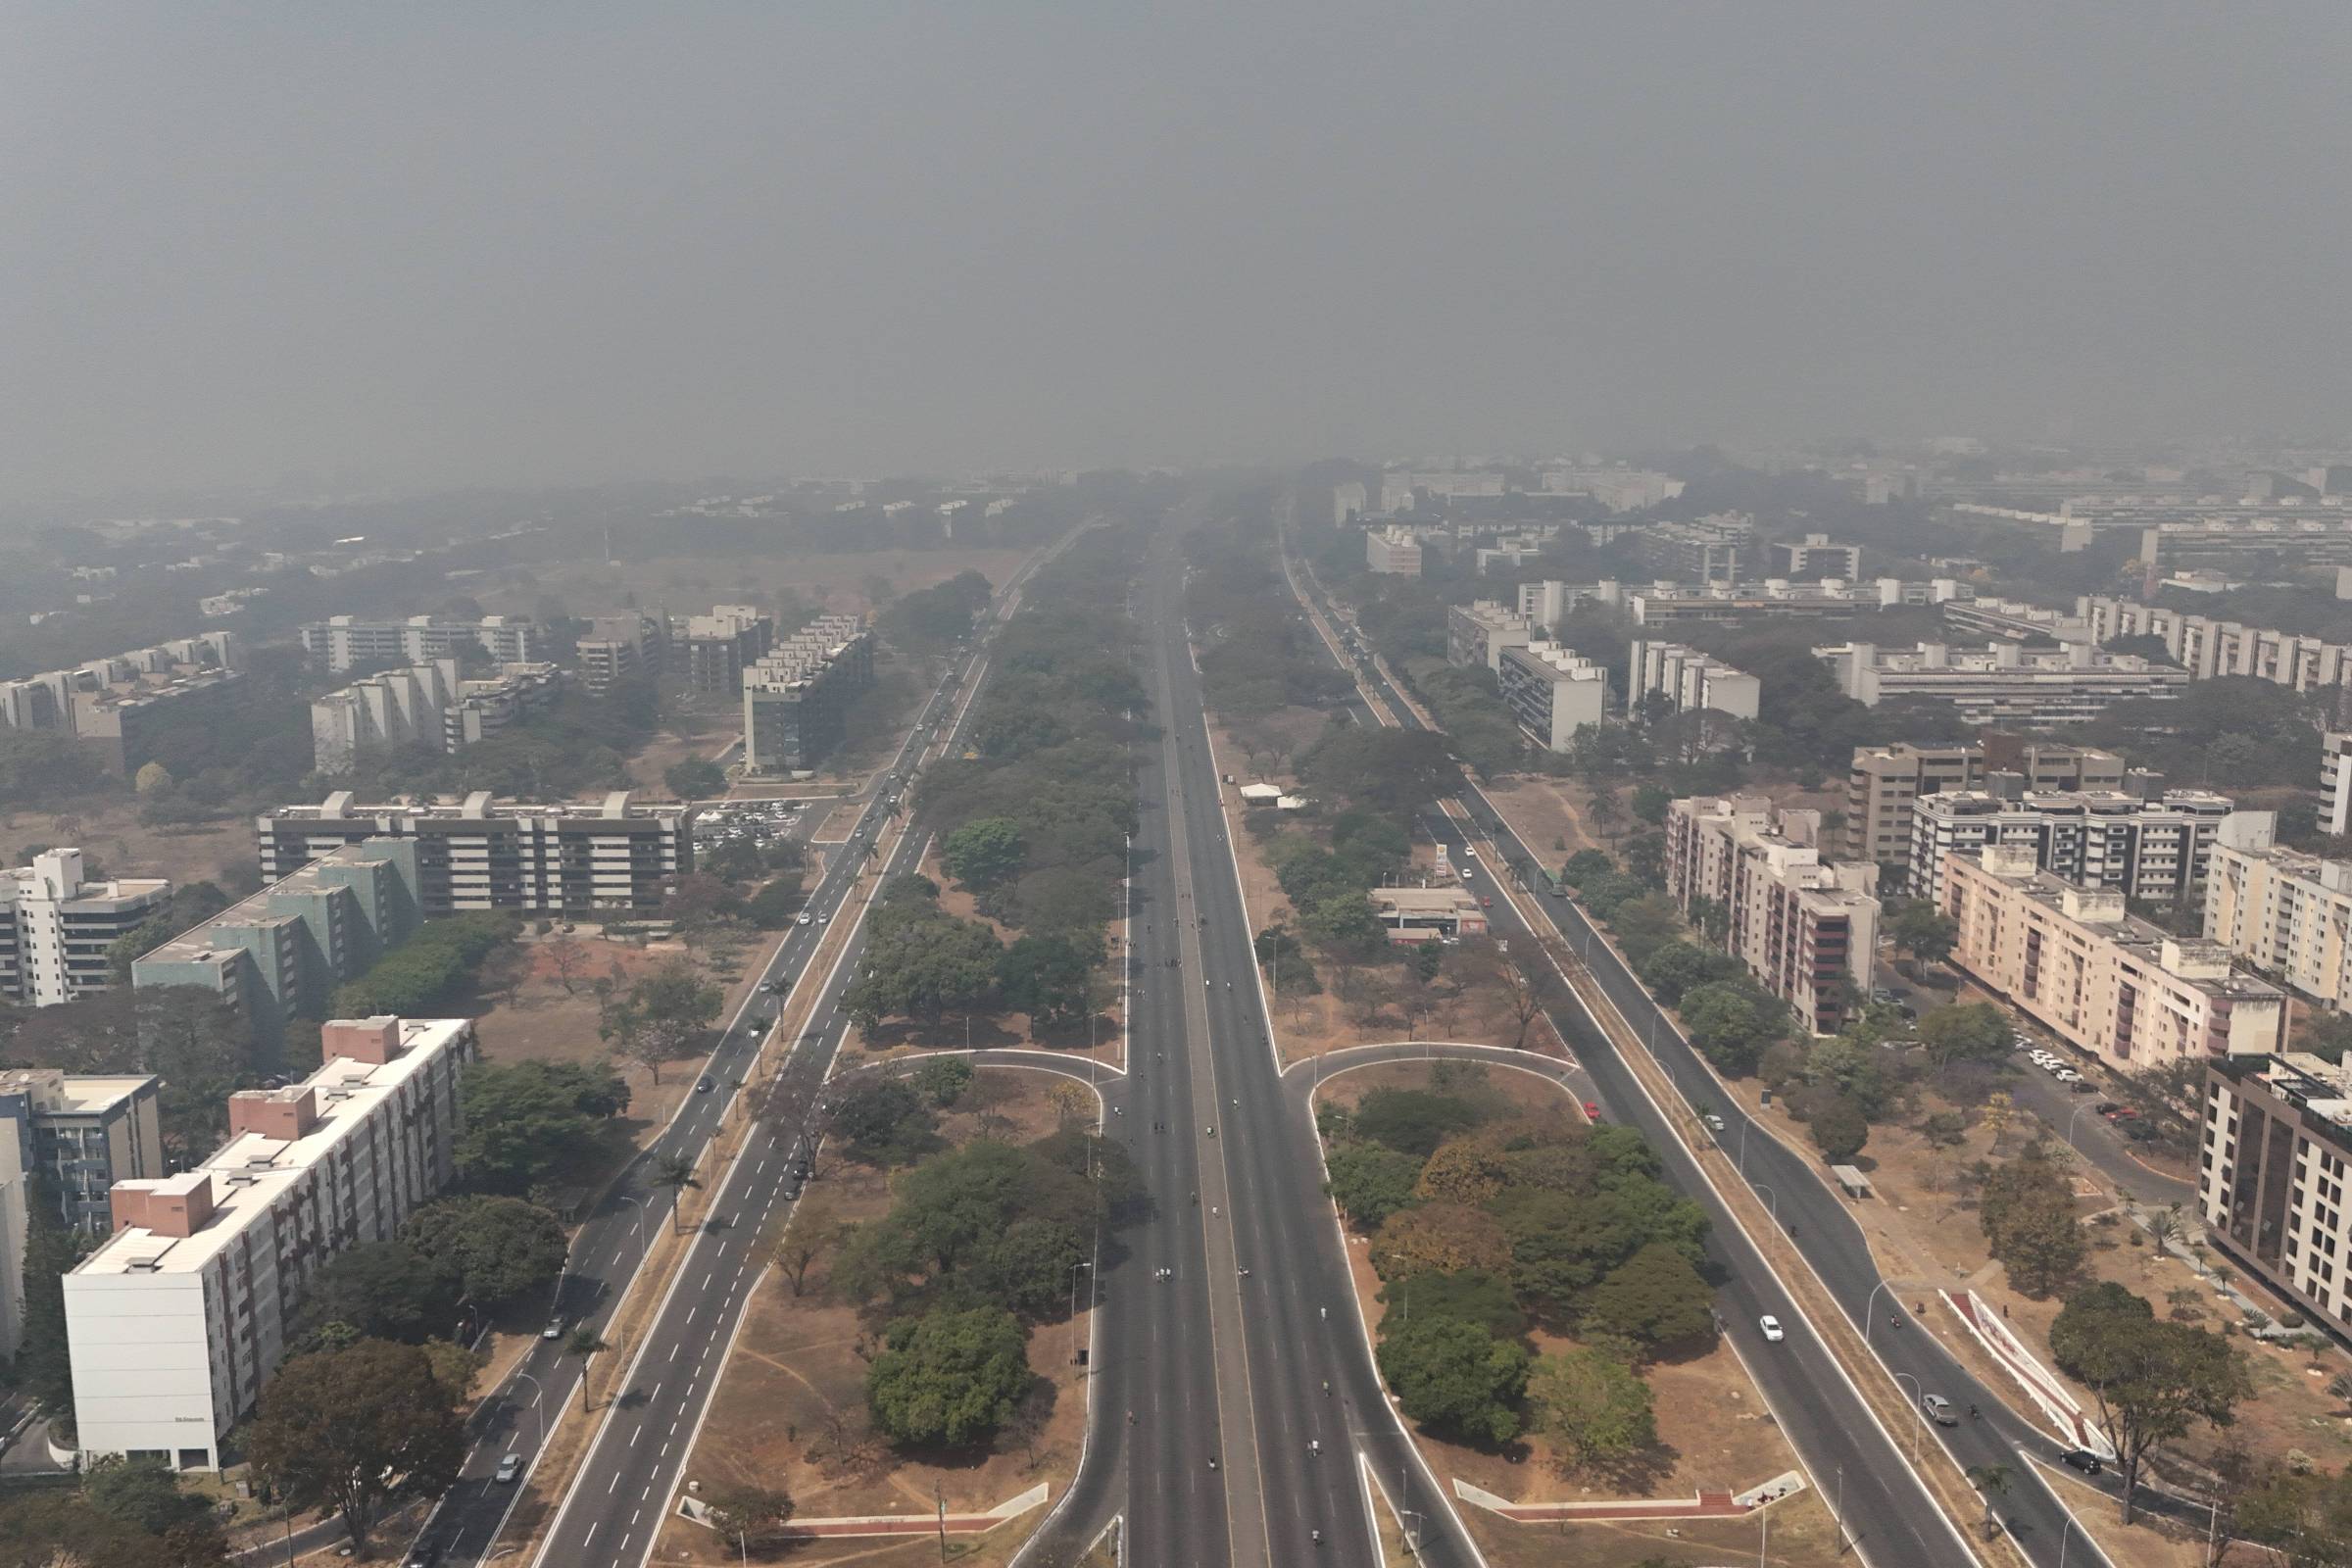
(2207, 648)
(1689, 680)
(1884, 782)
(181, 1317)
(345, 641)
(2148, 846)
(2285, 913)
(797, 700)
(1551, 691)
(2274, 1146)
(2001, 683)
(117, 706)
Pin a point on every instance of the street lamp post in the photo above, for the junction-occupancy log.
(1919, 1409)
(1871, 1305)
(1771, 1202)
(2079, 1108)
(643, 1206)
(537, 1414)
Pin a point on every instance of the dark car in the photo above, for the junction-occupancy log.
(2082, 1459)
(2139, 1132)
(702, 1085)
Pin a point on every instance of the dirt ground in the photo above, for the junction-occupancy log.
(790, 1409)
(1714, 1431)
(1548, 814)
(109, 829)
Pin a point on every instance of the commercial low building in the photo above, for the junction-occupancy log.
(1476, 634)
(797, 700)
(1414, 916)
(722, 645)
(614, 855)
(1884, 782)
(342, 642)
(1689, 680)
(2144, 843)
(1806, 929)
(1393, 552)
(2001, 683)
(2273, 1145)
(1815, 555)
(179, 1320)
(2207, 648)
(58, 928)
(1552, 692)
(2105, 981)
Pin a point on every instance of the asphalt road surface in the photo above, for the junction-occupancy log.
(612, 1244)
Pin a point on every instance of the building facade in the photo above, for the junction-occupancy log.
(84, 1133)
(1476, 634)
(2014, 621)
(1552, 692)
(2276, 1139)
(1689, 681)
(722, 645)
(2150, 847)
(1394, 552)
(1813, 556)
(116, 707)
(181, 1316)
(1710, 549)
(1806, 929)
(2285, 913)
(478, 854)
(619, 645)
(58, 928)
(381, 712)
(797, 700)
(345, 641)
(2335, 782)
(2207, 648)
(1779, 599)
(1887, 781)
(2106, 982)
(2001, 683)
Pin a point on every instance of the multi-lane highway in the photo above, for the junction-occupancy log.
(1887, 1508)
(611, 1247)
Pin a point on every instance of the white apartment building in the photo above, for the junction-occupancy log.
(56, 926)
(1550, 602)
(1393, 551)
(1887, 781)
(1801, 925)
(2287, 913)
(178, 1320)
(1816, 556)
(2106, 982)
(1477, 634)
(398, 708)
(1690, 680)
(1348, 503)
(2001, 683)
(1668, 604)
(343, 641)
(2151, 849)
(2207, 648)
(2271, 1180)
(2016, 621)
(2335, 782)
(1551, 691)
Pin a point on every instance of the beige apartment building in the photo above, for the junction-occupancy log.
(2285, 913)
(1476, 634)
(2106, 982)
(1885, 781)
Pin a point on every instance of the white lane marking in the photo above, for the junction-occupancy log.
(614, 1484)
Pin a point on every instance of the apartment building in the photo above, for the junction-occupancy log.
(84, 1132)
(2335, 782)
(278, 955)
(1709, 549)
(1778, 599)
(479, 853)
(425, 704)
(1476, 634)
(181, 1316)
(2325, 541)
(345, 641)
(1618, 489)
(2285, 913)
(1814, 556)
(1348, 502)
(619, 645)
(1802, 926)
(2014, 621)
(1549, 603)
(1689, 680)
(797, 700)
(2146, 844)
(116, 707)
(1887, 781)
(2104, 981)
(1552, 692)
(722, 645)
(2207, 648)
(59, 927)
(1394, 552)
(2001, 683)
(2276, 1137)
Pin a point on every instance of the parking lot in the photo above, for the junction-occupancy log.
(757, 824)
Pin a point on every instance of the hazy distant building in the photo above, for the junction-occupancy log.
(345, 641)
(1709, 549)
(426, 704)
(1348, 503)
(619, 645)
(1476, 634)
(119, 705)
(2207, 648)
(1814, 556)
(2335, 782)
(1690, 680)
(797, 700)
(1394, 552)
(1551, 691)
(2002, 682)
(722, 645)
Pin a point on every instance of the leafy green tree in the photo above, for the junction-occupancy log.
(695, 779)
(2152, 1379)
(949, 1377)
(1049, 978)
(1643, 925)
(943, 1079)
(1672, 968)
(675, 1172)
(2027, 1210)
(144, 1493)
(777, 903)
(1732, 1024)
(497, 1248)
(1413, 1122)
(378, 1290)
(1924, 931)
(1838, 1129)
(1651, 802)
(885, 1124)
(1594, 1407)
(1029, 1267)
(985, 853)
(748, 1513)
(44, 1363)
(1370, 1182)
(1468, 1293)
(1971, 1031)
(525, 1121)
(356, 1430)
(1655, 1298)
(1440, 1239)
(1454, 1377)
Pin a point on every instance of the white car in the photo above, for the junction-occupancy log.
(2067, 1075)
(802, 918)
(1771, 1326)
(1469, 850)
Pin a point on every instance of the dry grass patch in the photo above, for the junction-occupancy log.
(109, 829)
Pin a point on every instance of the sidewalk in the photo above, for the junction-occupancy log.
(1708, 1504)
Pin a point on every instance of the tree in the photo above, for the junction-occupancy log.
(1370, 1183)
(1592, 1406)
(675, 1172)
(584, 1344)
(569, 957)
(1477, 1298)
(525, 1121)
(1454, 1377)
(497, 1248)
(1924, 931)
(2152, 1379)
(1606, 812)
(1840, 1129)
(152, 779)
(356, 1429)
(144, 1493)
(1440, 1239)
(2026, 1211)
(813, 1230)
(1413, 1122)
(1655, 1298)
(44, 1363)
(748, 1512)
(1469, 1170)
(377, 1290)
(888, 1123)
(984, 853)
(1732, 1025)
(1972, 1031)
(503, 970)
(1526, 993)
(949, 1377)
(1049, 978)
(943, 1079)
(695, 778)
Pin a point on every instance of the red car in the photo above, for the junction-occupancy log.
(1592, 1111)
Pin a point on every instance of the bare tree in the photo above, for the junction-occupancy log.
(814, 1231)
(569, 957)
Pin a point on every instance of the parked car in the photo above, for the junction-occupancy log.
(1772, 1328)
(2082, 1459)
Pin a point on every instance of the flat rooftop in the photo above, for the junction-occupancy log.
(61, 1093)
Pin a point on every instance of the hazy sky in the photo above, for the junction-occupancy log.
(434, 243)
